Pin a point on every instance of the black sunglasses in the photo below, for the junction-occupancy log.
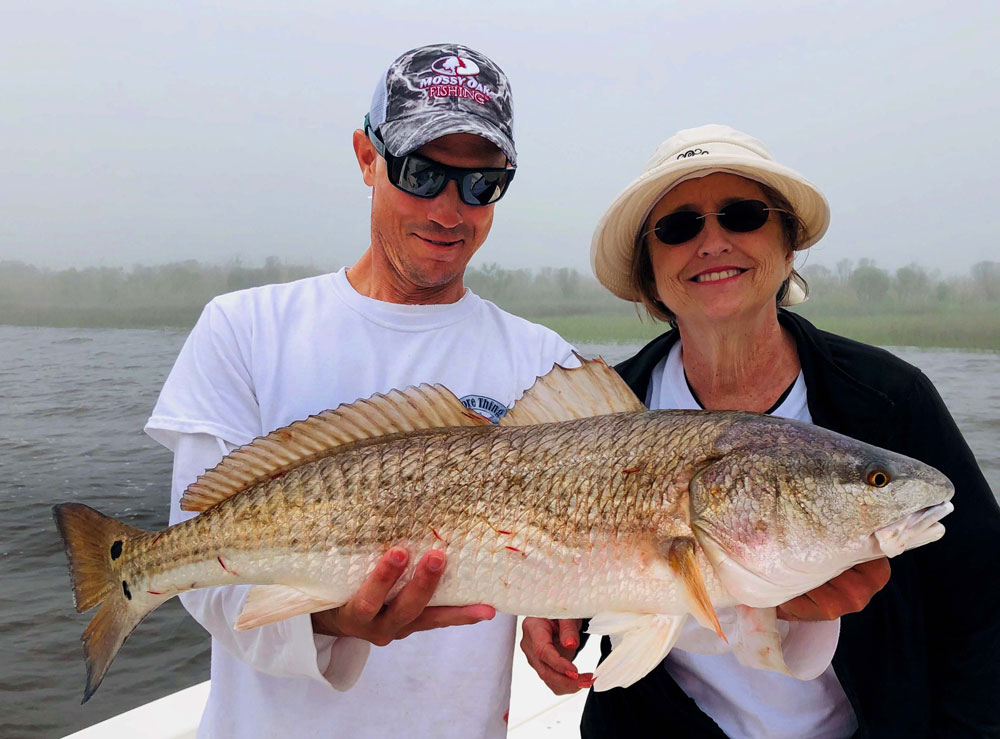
(425, 178)
(741, 216)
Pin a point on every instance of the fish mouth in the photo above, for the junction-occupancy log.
(917, 529)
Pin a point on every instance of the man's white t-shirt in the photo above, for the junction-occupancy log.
(748, 703)
(262, 358)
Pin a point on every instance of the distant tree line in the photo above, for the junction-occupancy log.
(174, 294)
(865, 286)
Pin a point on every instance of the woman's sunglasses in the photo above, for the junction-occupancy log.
(741, 216)
(417, 175)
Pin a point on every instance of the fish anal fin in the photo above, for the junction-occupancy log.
(399, 411)
(592, 389)
(681, 556)
(267, 604)
(640, 641)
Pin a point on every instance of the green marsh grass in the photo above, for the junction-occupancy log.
(979, 329)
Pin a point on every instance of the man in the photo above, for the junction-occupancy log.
(438, 153)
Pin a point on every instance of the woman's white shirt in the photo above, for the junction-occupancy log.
(743, 701)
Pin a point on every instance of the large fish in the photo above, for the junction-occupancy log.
(581, 503)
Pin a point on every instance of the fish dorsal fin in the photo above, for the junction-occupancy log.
(592, 389)
(396, 412)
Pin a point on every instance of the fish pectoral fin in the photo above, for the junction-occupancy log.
(682, 560)
(640, 641)
(592, 389)
(267, 604)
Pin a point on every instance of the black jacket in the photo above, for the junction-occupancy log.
(923, 658)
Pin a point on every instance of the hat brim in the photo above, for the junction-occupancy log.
(407, 134)
(613, 243)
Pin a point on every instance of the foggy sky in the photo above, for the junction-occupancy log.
(149, 132)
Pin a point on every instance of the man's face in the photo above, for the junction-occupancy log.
(427, 243)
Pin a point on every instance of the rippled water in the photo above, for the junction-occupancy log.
(73, 403)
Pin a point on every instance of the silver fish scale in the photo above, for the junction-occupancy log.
(604, 480)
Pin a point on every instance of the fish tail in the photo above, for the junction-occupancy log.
(92, 541)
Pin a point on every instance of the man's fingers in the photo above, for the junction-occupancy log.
(365, 604)
(410, 602)
(436, 617)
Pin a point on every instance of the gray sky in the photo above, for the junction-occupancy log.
(148, 132)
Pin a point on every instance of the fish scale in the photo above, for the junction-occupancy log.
(579, 504)
(319, 508)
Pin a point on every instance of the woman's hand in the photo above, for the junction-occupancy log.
(848, 592)
(551, 658)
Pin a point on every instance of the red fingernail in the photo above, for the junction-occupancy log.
(570, 643)
(587, 683)
(397, 557)
(572, 674)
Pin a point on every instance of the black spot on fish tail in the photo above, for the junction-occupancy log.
(126, 590)
(116, 549)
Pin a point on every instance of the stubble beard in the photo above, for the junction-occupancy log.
(408, 274)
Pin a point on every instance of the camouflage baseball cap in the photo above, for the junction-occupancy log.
(438, 90)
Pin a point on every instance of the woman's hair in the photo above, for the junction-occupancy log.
(643, 281)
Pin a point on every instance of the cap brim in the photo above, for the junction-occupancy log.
(404, 135)
(612, 246)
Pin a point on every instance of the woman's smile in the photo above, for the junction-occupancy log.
(716, 275)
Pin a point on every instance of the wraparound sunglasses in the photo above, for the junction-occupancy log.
(741, 216)
(425, 178)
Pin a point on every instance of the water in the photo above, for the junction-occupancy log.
(73, 403)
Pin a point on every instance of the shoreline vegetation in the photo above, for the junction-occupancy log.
(908, 307)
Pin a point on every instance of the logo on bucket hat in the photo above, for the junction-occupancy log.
(442, 89)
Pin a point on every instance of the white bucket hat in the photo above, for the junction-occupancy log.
(705, 149)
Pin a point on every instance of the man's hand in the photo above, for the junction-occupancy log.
(551, 659)
(367, 616)
(848, 592)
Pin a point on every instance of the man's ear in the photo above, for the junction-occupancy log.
(364, 149)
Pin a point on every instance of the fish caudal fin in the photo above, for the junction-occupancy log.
(93, 541)
(639, 642)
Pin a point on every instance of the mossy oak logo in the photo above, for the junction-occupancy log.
(494, 410)
(691, 153)
(456, 65)
(455, 76)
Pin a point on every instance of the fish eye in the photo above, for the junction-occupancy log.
(878, 478)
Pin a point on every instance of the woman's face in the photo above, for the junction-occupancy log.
(718, 275)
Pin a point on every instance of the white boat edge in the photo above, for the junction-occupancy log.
(534, 711)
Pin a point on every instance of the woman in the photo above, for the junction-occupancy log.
(705, 238)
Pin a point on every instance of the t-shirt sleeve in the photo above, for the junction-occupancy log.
(210, 388)
(561, 351)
